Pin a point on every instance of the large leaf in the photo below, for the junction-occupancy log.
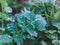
(5, 39)
(40, 23)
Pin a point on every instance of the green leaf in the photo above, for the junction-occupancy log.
(29, 15)
(2, 29)
(3, 15)
(5, 38)
(40, 23)
(31, 31)
(15, 4)
(29, 37)
(55, 42)
(20, 18)
(10, 18)
(24, 28)
(8, 9)
(18, 38)
(56, 17)
(50, 31)
(58, 31)
(12, 28)
(30, 3)
(43, 43)
(57, 24)
(52, 36)
(38, 11)
(3, 4)
(1, 44)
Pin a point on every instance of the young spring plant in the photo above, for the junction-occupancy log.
(30, 23)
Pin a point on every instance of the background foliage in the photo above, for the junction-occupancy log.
(29, 23)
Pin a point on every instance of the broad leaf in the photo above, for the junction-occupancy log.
(40, 23)
(5, 39)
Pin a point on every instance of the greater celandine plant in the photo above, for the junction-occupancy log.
(30, 23)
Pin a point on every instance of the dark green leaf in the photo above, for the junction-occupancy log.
(18, 38)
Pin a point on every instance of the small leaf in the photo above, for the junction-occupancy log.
(2, 29)
(3, 15)
(55, 42)
(3, 4)
(50, 31)
(30, 16)
(30, 3)
(43, 43)
(29, 37)
(31, 31)
(57, 24)
(8, 9)
(57, 16)
(20, 18)
(52, 36)
(18, 38)
(12, 28)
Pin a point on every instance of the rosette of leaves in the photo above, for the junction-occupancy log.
(29, 26)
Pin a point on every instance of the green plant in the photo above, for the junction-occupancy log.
(36, 24)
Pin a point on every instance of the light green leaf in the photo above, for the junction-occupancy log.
(57, 24)
(8, 9)
(40, 23)
(43, 42)
(57, 16)
(3, 4)
(55, 42)
(3, 15)
(5, 39)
